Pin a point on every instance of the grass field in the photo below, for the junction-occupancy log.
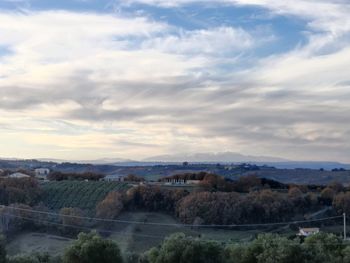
(28, 243)
(141, 237)
(84, 195)
(130, 237)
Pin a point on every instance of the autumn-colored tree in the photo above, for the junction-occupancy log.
(296, 196)
(341, 203)
(327, 195)
(71, 219)
(134, 178)
(109, 208)
(19, 190)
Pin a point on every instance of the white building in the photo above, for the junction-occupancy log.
(114, 177)
(18, 175)
(172, 181)
(305, 232)
(42, 173)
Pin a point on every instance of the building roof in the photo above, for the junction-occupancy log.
(19, 175)
(38, 169)
(114, 176)
(310, 229)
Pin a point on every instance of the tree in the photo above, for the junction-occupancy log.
(35, 258)
(71, 218)
(270, 248)
(110, 207)
(323, 247)
(296, 197)
(179, 248)
(2, 249)
(327, 195)
(341, 203)
(91, 248)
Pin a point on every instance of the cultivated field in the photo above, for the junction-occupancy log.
(81, 194)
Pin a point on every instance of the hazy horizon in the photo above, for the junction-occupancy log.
(83, 80)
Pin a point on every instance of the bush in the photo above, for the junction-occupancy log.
(91, 248)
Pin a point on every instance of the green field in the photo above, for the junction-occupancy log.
(81, 194)
(141, 237)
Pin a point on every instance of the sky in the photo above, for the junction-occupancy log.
(89, 79)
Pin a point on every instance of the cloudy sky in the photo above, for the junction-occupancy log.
(86, 79)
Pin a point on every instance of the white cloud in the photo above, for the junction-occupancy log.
(220, 40)
(93, 85)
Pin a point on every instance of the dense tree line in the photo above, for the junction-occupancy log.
(233, 208)
(153, 198)
(59, 176)
(134, 178)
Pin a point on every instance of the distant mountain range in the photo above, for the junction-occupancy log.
(226, 157)
(223, 157)
(96, 161)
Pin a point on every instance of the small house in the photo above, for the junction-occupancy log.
(42, 173)
(305, 232)
(173, 181)
(114, 178)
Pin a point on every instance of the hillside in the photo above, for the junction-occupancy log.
(84, 195)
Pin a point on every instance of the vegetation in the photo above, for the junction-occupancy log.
(151, 198)
(83, 195)
(59, 176)
(181, 249)
(19, 190)
(91, 248)
(110, 207)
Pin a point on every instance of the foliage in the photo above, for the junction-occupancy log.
(80, 194)
(15, 217)
(36, 258)
(91, 248)
(327, 195)
(19, 190)
(110, 207)
(341, 203)
(134, 178)
(323, 247)
(179, 248)
(2, 249)
(266, 248)
(233, 208)
(71, 218)
(59, 176)
(154, 198)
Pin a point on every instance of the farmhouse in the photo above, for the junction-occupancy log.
(18, 175)
(114, 178)
(173, 181)
(41, 173)
(305, 232)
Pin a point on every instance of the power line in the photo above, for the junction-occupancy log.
(172, 224)
(82, 227)
(124, 234)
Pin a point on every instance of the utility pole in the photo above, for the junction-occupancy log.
(344, 221)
